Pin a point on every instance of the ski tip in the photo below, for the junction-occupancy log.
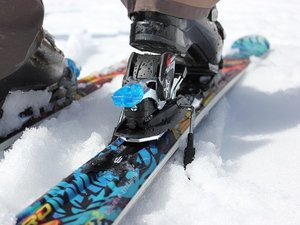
(251, 45)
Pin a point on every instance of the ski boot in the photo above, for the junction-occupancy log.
(184, 58)
(46, 70)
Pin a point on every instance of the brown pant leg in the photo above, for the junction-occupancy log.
(20, 32)
(189, 9)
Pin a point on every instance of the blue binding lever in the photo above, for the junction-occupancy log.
(129, 95)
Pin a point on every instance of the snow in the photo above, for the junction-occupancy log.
(19, 101)
(247, 162)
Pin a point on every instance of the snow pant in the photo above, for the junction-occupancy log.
(188, 9)
(20, 32)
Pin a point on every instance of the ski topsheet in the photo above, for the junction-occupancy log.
(86, 86)
(104, 194)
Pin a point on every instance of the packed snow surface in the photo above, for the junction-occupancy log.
(247, 167)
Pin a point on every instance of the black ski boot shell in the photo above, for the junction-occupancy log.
(200, 41)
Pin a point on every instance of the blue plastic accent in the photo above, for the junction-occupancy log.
(128, 96)
(73, 67)
(252, 45)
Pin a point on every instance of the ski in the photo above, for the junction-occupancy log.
(104, 189)
(85, 86)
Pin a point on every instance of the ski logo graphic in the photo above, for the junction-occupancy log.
(167, 87)
(39, 215)
(118, 159)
